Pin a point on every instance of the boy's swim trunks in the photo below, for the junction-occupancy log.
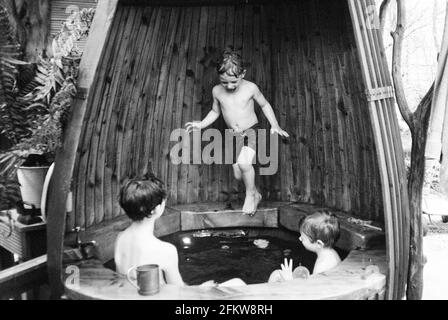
(246, 138)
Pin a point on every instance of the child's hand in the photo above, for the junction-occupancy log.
(286, 272)
(279, 131)
(210, 283)
(191, 126)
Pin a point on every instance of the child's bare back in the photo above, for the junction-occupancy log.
(136, 247)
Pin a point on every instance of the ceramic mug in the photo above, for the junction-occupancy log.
(147, 279)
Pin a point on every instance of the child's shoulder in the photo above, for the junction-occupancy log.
(169, 247)
(250, 85)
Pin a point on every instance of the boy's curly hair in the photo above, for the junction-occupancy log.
(231, 64)
(321, 225)
(140, 196)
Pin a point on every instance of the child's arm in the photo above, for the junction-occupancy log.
(269, 113)
(172, 273)
(209, 119)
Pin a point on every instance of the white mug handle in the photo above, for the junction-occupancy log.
(128, 276)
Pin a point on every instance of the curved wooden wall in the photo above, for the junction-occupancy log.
(157, 72)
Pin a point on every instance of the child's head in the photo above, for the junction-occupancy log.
(231, 70)
(143, 197)
(319, 230)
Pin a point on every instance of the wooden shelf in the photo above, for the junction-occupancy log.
(26, 241)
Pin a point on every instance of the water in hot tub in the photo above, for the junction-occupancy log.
(249, 254)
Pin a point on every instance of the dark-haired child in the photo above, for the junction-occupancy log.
(318, 234)
(143, 200)
(234, 97)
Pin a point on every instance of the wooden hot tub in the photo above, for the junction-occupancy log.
(149, 67)
(346, 281)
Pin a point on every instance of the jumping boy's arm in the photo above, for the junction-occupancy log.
(209, 119)
(268, 112)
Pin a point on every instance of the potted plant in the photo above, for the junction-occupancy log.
(36, 108)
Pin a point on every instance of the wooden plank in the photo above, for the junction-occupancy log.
(23, 277)
(327, 38)
(297, 107)
(137, 71)
(109, 98)
(187, 100)
(160, 92)
(194, 185)
(115, 77)
(84, 193)
(99, 155)
(320, 149)
(151, 21)
(191, 220)
(60, 184)
(94, 197)
(264, 64)
(150, 90)
(126, 106)
(149, 87)
(220, 170)
(178, 87)
(301, 105)
(288, 112)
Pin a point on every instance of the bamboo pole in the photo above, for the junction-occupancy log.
(383, 147)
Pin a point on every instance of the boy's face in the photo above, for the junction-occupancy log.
(231, 82)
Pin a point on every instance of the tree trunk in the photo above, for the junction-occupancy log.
(418, 123)
(444, 163)
(30, 19)
(419, 129)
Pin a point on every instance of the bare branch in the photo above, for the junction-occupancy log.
(398, 36)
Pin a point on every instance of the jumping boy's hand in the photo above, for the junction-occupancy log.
(286, 271)
(279, 131)
(191, 126)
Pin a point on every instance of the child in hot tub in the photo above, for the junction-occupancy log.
(143, 200)
(318, 234)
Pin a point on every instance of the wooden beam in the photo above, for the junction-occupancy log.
(23, 277)
(65, 158)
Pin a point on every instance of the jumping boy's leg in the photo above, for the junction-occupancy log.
(237, 172)
(253, 197)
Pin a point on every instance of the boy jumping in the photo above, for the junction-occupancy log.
(234, 97)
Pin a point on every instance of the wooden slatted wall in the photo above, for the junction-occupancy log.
(157, 73)
(387, 139)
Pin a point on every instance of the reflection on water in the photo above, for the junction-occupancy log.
(249, 254)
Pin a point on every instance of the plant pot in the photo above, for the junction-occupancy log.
(44, 198)
(31, 181)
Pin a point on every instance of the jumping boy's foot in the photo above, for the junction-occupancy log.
(237, 172)
(251, 203)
